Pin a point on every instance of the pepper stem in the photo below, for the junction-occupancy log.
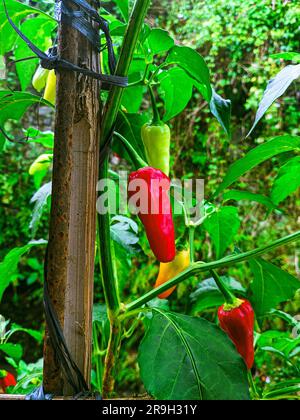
(156, 117)
(192, 243)
(134, 156)
(230, 299)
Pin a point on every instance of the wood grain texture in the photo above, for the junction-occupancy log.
(71, 251)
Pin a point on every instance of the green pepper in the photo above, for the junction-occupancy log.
(156, 139)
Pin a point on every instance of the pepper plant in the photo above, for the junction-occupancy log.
(180, 356)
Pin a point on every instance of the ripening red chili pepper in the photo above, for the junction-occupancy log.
(238, 323)
(155, 210)
(6, 381)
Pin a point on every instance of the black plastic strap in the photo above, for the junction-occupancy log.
(77, 20)
(104, 26)
(54, 62)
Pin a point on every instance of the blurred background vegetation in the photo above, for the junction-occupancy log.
(236, 38)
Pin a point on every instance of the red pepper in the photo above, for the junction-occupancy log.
(8, 380)
(238, 323)
(153, 186)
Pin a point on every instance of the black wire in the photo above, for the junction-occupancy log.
(54, 62)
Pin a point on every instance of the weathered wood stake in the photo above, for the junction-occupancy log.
(71, 250)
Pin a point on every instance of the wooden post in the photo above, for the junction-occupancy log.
(71, 250)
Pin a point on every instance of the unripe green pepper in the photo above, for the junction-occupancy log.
(156, 139)
(40, 78)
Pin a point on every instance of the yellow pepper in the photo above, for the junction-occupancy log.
(50, 90)
(170, 270)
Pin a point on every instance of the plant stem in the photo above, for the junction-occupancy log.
(107, 258)
(98, 359)
(134, 156)
(129, 44)
(228, 295)
(200, 267)
(111, 358)
(156, 117)
(192, 243)
(252, 385)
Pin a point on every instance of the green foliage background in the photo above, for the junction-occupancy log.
(236, 39)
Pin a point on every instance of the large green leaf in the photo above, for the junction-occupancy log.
(193, 63)
(9, 265)
(132, 98)
(14, 104)
(176, 88)
(222, 227)
(287, 181)
(187, 358)
(276, 88)
(159, 41)
(18, 12)
(270, 286)
(207, 294)
(257, 156)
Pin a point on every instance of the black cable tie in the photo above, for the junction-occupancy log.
(104, 26)
(77, 20)
(53, 62)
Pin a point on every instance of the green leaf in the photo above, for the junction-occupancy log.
(40, 199)
(187, 358)
(279, 343)
(276, 88)
(124, 231)
(130, 125)
(123, 7)
(287, 180)
(14, 351)
(237, 195)
(292, 321)
(257, 156)
(39, 31)
(221, 109)
(14, 104)
(270, 286)
(222, 227)
(176, 88)
(17, 12)
(9, 265)
(293, 56)
(159, 41)
(207, 294)
(37, 335)
(45, 138)
(193, 63)
(132, 98)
